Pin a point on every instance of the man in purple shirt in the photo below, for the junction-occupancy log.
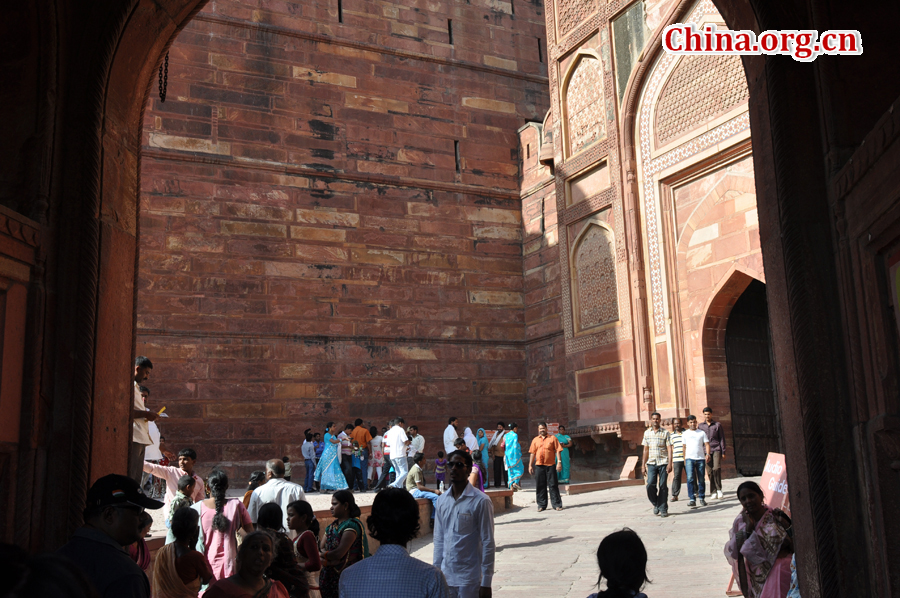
(716, 436)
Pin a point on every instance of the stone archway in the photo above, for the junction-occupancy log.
(755, 425)
(96, 63)
(715, 368)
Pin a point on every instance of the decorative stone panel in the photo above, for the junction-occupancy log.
(584, 105)
(595, 278)
(700, 89)
(571, 13)
(651, 166)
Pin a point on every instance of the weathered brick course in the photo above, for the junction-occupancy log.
(309, 251)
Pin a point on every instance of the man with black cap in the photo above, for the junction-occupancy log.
(112, 520)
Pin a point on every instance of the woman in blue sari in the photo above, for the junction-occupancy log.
(328, 471)
(483, 447)
(565, 441)
(513, 458)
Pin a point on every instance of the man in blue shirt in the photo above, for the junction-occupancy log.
(395, 523)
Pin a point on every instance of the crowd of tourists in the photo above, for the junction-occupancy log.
(270, 544)
(273, 546)
(360, 459)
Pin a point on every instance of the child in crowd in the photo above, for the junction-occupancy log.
(257, 479)
(178, 569)
(622, 559)
(182, 499)
(284, 567)
(319, 444)
(287, 468)
(302, 520)
(440, 468)
(356, 462)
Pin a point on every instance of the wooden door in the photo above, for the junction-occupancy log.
(748, 353)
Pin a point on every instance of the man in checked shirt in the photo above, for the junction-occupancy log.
(657, 464)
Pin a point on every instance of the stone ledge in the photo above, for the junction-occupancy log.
(501, 499)
(571, 489)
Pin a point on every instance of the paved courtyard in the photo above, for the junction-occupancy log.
(553, 553)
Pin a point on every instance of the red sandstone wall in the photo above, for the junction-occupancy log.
(309, 251)
(719, 254)
(545, 355)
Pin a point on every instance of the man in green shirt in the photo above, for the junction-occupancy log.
(415, 483)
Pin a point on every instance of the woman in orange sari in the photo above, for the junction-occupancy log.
(179, 571)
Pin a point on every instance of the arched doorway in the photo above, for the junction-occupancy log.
(756, 427)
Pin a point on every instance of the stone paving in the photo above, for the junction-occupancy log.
(553, 553)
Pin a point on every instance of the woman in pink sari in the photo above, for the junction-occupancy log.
(759, 546)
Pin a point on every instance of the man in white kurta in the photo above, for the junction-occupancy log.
(450, 436)
(464, 533)
(397, 439)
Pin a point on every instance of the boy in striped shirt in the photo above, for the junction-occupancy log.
(677, 457)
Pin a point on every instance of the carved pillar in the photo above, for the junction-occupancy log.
(639, 314)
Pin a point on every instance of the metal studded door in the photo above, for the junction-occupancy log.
(756, 428)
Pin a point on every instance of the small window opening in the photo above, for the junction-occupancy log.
(340, 12)
(456, 152)
(527, 151)
(540, 51)
(450, 30)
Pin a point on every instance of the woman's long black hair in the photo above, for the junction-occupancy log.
(218, 486)
(303, 508)
(271, 517)
(622, 559)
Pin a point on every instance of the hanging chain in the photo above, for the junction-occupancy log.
(163, 79)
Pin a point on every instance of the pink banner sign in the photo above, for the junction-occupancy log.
(774, 483)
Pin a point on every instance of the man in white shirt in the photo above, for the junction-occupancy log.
(416, 445)
(464, 533)
(696, 455)
(451, 433)
(276, 489)
(398, 441)
(308, 450)
(142, 417)
(153, 451)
